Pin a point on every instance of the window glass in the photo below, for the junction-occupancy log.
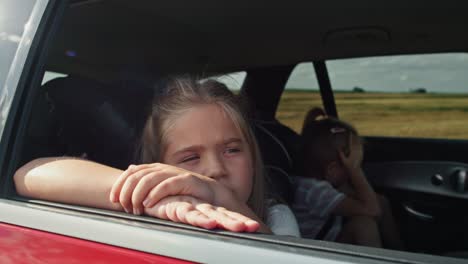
(404, 96)
(48, 75)
(301, 93)
(14, 17)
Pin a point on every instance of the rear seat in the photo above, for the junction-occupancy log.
(280, 147)
(286, 139)
(100, 121)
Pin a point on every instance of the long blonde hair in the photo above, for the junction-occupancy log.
(183, 93)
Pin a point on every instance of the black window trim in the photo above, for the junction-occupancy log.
(28, 86)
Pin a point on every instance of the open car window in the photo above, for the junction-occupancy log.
(92, 79)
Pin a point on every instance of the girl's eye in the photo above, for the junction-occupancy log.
(190, 158)
(232, 150)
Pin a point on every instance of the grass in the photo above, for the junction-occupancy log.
(428, 115)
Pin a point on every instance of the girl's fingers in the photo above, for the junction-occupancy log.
(192, 211)
(133, 185)
(117, 186)
(165, 209)
(146, 181)
(177, 209)
(115, 190)
(224, 221)
(251, 225)
(342, 157)
(197, 218)
(185, 184)
(181, 209)
(127, 189)
(171, 186)
(345, 160)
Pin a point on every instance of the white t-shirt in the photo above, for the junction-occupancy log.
(314, 200)
(282, 221)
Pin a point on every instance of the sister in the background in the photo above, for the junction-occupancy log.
(334, 201)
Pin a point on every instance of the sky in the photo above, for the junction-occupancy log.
(435, 72)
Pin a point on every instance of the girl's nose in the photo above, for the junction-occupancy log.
(215, 167)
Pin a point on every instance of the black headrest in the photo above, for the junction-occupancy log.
(280, 145)
(100, 120)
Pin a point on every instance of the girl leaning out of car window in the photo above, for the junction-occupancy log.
(200, 165)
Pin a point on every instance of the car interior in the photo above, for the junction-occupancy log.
(115, 55)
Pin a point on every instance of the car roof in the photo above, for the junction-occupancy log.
(103, 38)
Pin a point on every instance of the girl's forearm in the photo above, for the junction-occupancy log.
(82, 182)
(68, 180)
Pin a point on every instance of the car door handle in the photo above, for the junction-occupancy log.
(418, 214)
(460, 180)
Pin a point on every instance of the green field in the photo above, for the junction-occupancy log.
(387, 114)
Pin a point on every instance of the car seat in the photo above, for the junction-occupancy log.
(279, 146)
(99, 121)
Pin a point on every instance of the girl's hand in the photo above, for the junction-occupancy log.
(352, 162)
(192, 211)
(349, 162)
(145, 185)
(195, 185)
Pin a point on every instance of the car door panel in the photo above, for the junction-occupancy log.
(428, 198)
(429, 177)
(413, 149)
(24, 245)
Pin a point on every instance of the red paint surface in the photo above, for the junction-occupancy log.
(29, 246)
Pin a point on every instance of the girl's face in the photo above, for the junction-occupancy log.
(205, 140)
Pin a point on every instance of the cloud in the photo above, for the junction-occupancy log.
(435, 72)
(10, 37)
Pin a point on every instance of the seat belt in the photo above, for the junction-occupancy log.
(326, 227)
